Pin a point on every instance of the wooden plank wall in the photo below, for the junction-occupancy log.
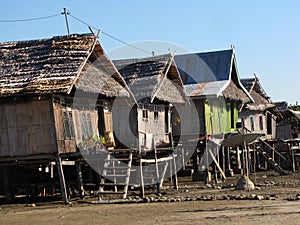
(26, 128)
(69, 145)
(125, 124)
(150, 126)
(246, 115)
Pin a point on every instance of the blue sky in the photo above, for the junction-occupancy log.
(266, 34)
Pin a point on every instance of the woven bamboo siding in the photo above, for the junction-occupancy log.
(26, 128)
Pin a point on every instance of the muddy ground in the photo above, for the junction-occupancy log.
(276, 200)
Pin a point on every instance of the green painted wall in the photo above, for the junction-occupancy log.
(220, 116)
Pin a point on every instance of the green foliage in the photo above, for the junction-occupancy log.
(92, 141)
(295, 107)
(293, 121)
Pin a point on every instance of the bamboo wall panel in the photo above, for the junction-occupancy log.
(26, 128)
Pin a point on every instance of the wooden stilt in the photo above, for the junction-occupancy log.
(175, 173)
(228, 171)
(79, 179)
(156, 168)
(217, 164)
(171, 172)
(293, 160)
(7, 183)
(238, 156)
(61, 179)
(223, 159)
(163, 175)
(142, 188)
(175, 180)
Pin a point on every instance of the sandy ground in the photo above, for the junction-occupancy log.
(195, 212)
(197, 204)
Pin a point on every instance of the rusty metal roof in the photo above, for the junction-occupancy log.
(205, 89)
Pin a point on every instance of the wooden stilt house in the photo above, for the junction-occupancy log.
(259, 116)
(156, 85)
(211, 80)
(145, 129)
(55, 95)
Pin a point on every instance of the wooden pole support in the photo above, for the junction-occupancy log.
(61, 179)
(79, 179)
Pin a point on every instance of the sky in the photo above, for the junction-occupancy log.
(265, 34)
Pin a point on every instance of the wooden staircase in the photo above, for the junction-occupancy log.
(270, 160)
(258, 146)
(115, 176)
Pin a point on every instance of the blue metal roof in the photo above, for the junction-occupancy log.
(205, 67)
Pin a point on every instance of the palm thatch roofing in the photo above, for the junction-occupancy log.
(262, 100)
(212, 74)
(55, 65)
(152, 78)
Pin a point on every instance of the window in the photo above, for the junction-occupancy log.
(68, 125)
(145, 112)
(155, 111)
(252, 123)
(86, 125)
(269, 123)
(261, 125)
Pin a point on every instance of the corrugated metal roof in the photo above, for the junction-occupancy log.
(205, 67)
(205, 89)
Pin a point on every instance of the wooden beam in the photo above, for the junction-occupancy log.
(61, 179)
(217, 164)
(175, 172)
(142, 188)
(163, 79)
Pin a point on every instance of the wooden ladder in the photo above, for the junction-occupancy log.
(269, 159)
(154, 172)
(116, 174)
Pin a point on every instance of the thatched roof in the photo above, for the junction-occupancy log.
(212, 73)
(152, 77)
(262, 100)
(57, 65)
(232, 91)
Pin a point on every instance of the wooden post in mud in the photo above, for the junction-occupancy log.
(6, 184)
(238, 156)
(61, 179)
(79, 179)
(142, 188)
